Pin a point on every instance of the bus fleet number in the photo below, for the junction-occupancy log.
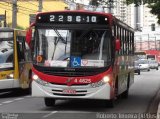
(60, 18)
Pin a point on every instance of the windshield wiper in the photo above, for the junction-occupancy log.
(59, 35)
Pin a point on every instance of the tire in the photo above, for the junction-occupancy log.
(139, 72)
(125, 93)
(110, 103)
(157, 68)
(148, 69)
(49, 102)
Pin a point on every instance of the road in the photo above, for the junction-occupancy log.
(141, 100)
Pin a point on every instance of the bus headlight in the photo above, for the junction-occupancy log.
(106, 79)
(39, 81)
(35, 77)
(10, 76)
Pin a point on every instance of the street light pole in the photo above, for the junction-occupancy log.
(148, 43)
(14, 13)
(141, 43)
(155, 43)
(40, 6)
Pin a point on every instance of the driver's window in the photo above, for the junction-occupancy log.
(20, 48)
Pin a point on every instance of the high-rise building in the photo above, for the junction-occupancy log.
(145, 25)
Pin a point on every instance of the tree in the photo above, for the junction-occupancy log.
(155, 9)
(99, 2)
(153, 4)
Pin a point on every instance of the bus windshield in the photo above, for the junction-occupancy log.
(72, 47)
(6, 49)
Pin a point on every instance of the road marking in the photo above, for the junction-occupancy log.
(19, 99)
(27, 96)
(6, 102)
(3, 93)
(45, 116)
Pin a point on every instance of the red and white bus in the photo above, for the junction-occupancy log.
(81, 55)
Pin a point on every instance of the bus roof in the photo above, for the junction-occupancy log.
(140, 53)
(109, 15)
(5, 29)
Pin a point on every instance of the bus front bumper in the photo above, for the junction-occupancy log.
(71, 92)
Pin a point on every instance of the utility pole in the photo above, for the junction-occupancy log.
(40, 6)
(148, 43)
(14, 13)
(5, 22)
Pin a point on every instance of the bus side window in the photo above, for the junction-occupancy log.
(10, 58)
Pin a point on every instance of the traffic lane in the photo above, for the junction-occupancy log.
(13, 95)
(140, 96)
(137, 95)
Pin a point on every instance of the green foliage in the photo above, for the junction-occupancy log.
(140, 2)
(18, 26)
(155, 9)
(94, 2)
(99, 2)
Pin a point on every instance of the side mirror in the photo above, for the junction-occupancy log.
(29, 36)
(118, 44)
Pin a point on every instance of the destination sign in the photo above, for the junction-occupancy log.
(72, 18)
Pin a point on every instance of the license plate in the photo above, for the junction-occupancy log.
(69, 91)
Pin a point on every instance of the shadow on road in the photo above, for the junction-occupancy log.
(80, 105)
(13, 93)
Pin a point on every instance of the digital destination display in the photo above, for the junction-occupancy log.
(71, 18)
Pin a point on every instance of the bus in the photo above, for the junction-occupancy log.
(153, 55)
(140, 55)
(148, 54)
(15, 60)
(81, 55)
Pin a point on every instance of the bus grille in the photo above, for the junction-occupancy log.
(64, 84)
(70, 74)
(78, 93)
(69, 94)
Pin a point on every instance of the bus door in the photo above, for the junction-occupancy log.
(24, 64)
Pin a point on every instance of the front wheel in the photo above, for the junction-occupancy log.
(110, 103)
(125, 94)
(49, 102)
(139, 72)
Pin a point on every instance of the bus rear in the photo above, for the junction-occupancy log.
(74, 55)
(6, 58)
(15, 60)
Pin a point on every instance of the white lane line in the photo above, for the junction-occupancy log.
(27, 96)
(3, 93)
(47, 115)
(19, 99)
(6, 102)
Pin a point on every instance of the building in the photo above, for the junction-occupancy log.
(27, 7)
(120, 10)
